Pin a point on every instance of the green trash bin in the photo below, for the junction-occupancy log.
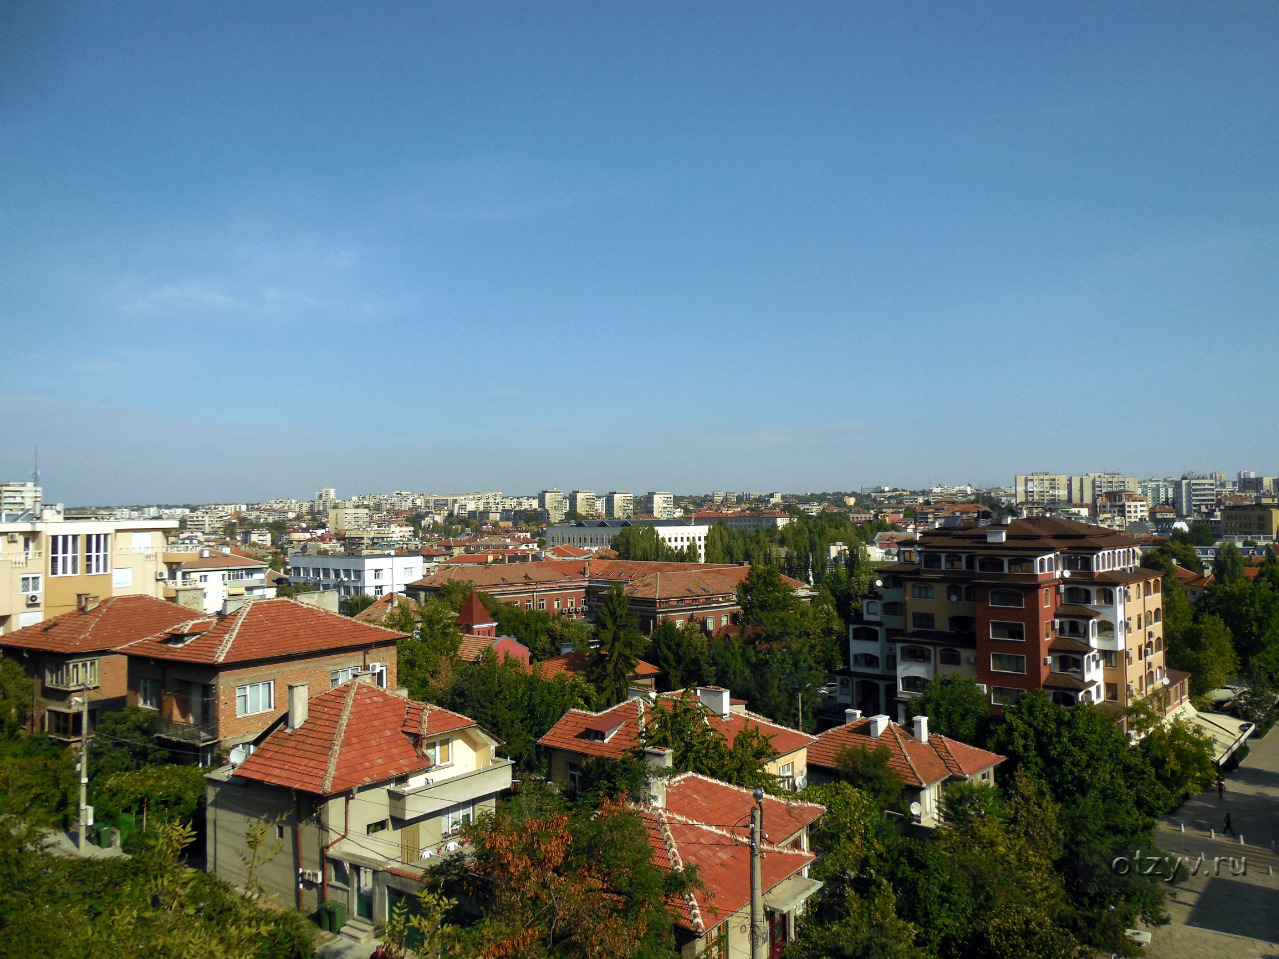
(324, 917)
(127, 823)
(104, 835)
(337, 910)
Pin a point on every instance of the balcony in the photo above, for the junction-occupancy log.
(186, 732)
(429, 799)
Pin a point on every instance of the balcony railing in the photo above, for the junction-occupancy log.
(186, 732)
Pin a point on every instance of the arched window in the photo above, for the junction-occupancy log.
(990, 564)
(1159, 615)
(913, 684)
(1105, 629)
(954, 561)
(916, 654)
(1018, 564)
(865, 661)
(866, 634)
(1062, 698)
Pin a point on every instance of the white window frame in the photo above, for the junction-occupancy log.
(344, 675)
(996, 669)
(453, 818)
(244, 696)
(439, 752)
(30, 583)
(64, 554)
(97, 554)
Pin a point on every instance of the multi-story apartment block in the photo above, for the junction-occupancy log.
(1021, 606)
(1117, 508)
(619, 505)
(20, 498)
(343, 518)
(1249, 483)
(351, 575)
(1053, 489)
(1259, 521)
(594, 534)
(1158, 492)
(1195, 494)
(659, 505)
(49, 562)
(555, 504)
(213, 576)
(582, 502)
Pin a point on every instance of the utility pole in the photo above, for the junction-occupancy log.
(759, 943)
(84, 765)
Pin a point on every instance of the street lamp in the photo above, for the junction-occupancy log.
(83, 701)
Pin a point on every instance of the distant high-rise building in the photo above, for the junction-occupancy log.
(582, 502)
(619, 505)
(326, 495)
(553, 501)
(660, 505)
(20, 498)
(1053, 489)
(1195, 494)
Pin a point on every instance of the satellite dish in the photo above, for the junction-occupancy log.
(801, 782)
(916, 809)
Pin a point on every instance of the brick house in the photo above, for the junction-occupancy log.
(214, 681)
(618, 732)
(362, 787)
(927, 762)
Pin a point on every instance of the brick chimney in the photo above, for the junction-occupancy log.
(658, 762)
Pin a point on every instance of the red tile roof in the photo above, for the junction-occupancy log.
(577, 662)
(353, 735)
(570, 733)
(266, 629)
(220, 560)
(108, 625)
(919, 764)
(474, 613)
(723, 866)
(728, 807)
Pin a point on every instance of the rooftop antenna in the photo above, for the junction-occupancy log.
(35, 473)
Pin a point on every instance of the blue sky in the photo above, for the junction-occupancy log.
(251, 250)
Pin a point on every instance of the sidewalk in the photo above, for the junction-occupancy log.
(61, 843)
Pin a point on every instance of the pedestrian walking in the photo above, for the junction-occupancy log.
(1227, 828)
(1221, 788)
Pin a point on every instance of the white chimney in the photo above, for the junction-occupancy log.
(658, 763)
(299, 703)
(852, 715)
(996, 535)
(877, 725)
(921, 728)
(715, 699)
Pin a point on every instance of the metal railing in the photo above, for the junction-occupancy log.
(186, 732)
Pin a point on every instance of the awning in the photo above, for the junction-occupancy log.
(1226, 732)
(789, 893)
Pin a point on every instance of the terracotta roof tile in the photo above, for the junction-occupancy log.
(353, 735)
(917, 764)
(728, 807)
(110, 624)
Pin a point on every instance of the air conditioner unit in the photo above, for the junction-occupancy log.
(981, 687)
(13, 537)
(33, 599)
(1048, 660)
(161, 574)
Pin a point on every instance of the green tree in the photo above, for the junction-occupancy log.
(1179, 754)
(357, 604)
(642, 543)
(1229, 565)
(1205, 650)
(620, 645)
(17, 692)
(955, 707)
(871, 771)
(680, 724)
(682, 652)
(124, 741)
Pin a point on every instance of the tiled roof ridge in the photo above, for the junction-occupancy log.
(742, 789)
(308, 606)
(721, 831)
(330, 770)
(241, 615)
(898, 732)
(765, 721)
(677, 865)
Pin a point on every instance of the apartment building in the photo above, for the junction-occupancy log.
(20, 498)
(365, 788)
(659, 505)
(1024, 605)
(619, 505)
(49, 562)
(343, 518)
(1259, 521)
(1196, 494)
(554, 503)
(1117, 508)
(1053, 489)
(214, 576)
(600, 533)
(582, 502)
(378, 574)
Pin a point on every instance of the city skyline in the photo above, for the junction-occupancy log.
(249, 251)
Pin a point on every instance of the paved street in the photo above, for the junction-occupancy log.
(1225, 912)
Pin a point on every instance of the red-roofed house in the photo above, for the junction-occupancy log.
(616, 732)
(926, 761)
(364, 786)
(643, 676)
(693, 820)
(213, 681)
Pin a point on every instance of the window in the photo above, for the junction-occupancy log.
(377, 574)
(439, 752)
(921, 591)
(990, 564)
(1007, 663)
(254, 698)
(1077, 563)
(149, 693)
(954, 593)
(339, 676)
(1108, 658)
(932, 561)
(63, 725)
(573, 772)
(950, 657)
(894, 609)
(916, 654)
(913, 684)
(454, 818)
(1006, 597)
(96, 550)
(865, 661)
(1004, 696)
(923, 620)
(31, 584)
(1112, 692)
(717, 948)
(374, 828)
(786, 773)
(1018, 565)
(64, 555)
(961, 624)
(1106, 597)
(1000, 629)
(541, 604)
(377, 590)
(75, 675)
(954, 561)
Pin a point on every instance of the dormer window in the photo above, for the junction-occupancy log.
(601, 731)
(439, 752)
